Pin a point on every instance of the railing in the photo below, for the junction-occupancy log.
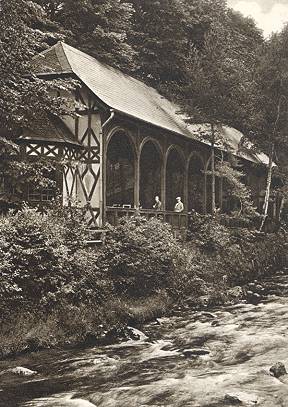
(178, 221)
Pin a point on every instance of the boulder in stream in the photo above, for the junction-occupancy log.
(22, 371)
(254, 298)
(240, 399)
(188, 353)
(209, 315)
(136, 334)
(278, 370)
(232, 399)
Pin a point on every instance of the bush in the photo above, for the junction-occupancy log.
(43, 261)
(55, 290)
(235, 255)
(140, 256)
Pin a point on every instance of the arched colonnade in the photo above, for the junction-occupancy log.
(136, 172)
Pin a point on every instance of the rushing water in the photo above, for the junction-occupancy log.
(243, 342)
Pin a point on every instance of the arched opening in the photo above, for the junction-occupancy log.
(174, 178)
(218, 189)
(196, 184)
(150, 175)
(120, 171)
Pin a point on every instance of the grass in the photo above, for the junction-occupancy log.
(71, 325)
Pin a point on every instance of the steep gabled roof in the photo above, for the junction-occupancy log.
(52, 60)
(48, 129)
(128, 95)
(114, 88)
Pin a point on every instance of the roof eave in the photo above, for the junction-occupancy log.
(50, 141)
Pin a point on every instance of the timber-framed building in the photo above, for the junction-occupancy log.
(127, 144)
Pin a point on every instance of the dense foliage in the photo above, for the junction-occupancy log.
(45, 262)
(141, 257)
(22, 96)
(54, 289)
(238, 254)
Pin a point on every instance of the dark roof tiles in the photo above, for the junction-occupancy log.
(49, 129)
(130, 96)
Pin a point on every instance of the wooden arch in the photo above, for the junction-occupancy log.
(150, 173)
(175, 177)
(121, 176)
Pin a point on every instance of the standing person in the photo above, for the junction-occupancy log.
(157, 205)
(179, 207)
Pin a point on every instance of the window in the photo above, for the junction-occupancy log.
(41, 195)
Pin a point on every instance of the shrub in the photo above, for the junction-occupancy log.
(234, 255)
(140, 256)
(43, 261)
(55, 290)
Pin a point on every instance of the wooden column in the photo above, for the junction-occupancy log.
(164, 180)
(104, 173)
(137, 179)
(185, 197)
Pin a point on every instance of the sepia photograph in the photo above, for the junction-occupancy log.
(143, 203)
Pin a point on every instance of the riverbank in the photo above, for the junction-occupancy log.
(71, 327)
(193, 358)
(59, 293)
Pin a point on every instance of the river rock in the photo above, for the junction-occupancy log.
(253, 298)
(240, 399)
(188, 353)
(209, 315)
(156, 322)
(136, 334)
(278, 370)
(69, 401)
(231, 399)
(22, 371)
(205, 316)
(235, 292)
(203, 300)
(106, 360)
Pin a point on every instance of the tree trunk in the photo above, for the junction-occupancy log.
(213, 180)
(268, 188)
(280, 209)
(270, 166)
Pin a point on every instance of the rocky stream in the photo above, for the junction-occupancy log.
(216, 358)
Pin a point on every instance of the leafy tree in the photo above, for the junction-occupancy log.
(270, 108)
(219, 81)
(245, 37)
(159, 40)
(165, 32)
(210, 94)
(141, 256)
(236, 189)
(23, 96)
(98, 27)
